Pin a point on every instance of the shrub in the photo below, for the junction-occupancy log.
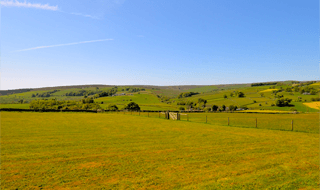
(112, 107)
(207, 109)
(244, 107)
(181, 108)
(240, 94)
(132, 106)
(232, 108)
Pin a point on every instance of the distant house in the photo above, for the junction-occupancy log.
(306, 93)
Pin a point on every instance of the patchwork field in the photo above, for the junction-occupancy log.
(314, 105)
(113, 151)
(167, 97)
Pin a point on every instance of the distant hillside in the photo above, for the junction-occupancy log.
(8, 92)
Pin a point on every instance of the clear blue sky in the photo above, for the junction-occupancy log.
(157, 42)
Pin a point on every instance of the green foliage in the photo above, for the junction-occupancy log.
(112, 107)
(85, 104)
(207, 109)
(131, 89)
(282, 102)
(132, 106)
(215, 108)
(187, 94)
(225, 96)
(263, 84)
(44, 94)
(288, 89)
(240, 94)
(181, 108)
(244, 107)
(233, 108)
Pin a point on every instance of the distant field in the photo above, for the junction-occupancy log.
(314, 105)
(21, 106)
(112, 151)
(268, 90)
(315, 84)
(166, 97)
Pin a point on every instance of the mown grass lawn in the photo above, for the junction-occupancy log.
(115, 151)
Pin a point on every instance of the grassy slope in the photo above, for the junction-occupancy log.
(213, 94)
(92, 151)
(145, 100)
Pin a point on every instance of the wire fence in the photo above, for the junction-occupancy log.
(287, 122)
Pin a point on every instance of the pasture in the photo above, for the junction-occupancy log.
(113, 151)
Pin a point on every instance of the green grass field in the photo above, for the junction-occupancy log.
(113, 151)
(256, 98)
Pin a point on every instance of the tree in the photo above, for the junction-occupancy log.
(132, 106)
(215, 108)
(202, 101)
(232, 108)
(240, 94)
(181, 108)
(225, 96)
(112, 107)
(223, 107)
(282, 102)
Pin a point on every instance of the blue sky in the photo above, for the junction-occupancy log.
(122, 42)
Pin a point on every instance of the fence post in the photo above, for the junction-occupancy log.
(256, 122)
(291, 125)
(187, 117)
(228, 121)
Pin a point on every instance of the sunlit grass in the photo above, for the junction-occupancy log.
(113, 151)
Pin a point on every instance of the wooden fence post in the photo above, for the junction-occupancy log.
(187, 117)
(291, 125)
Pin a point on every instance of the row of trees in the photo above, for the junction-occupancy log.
(44, 94)
(302, 90)
(263, 84)
(82, 93)
(129, 89)
(45, 104)
(235, 94)
(109, 92)
(187, 94)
